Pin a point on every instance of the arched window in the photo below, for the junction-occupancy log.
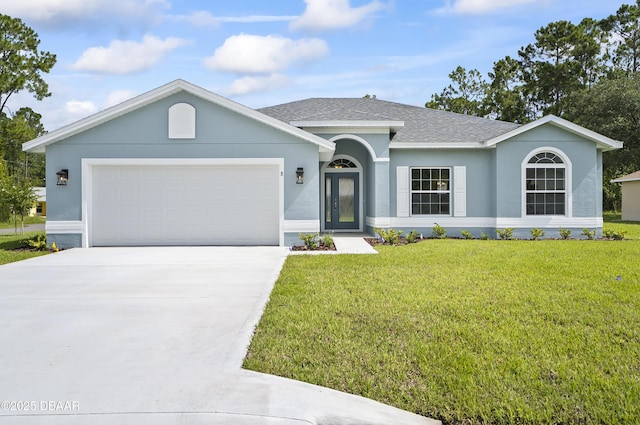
(342, 163)
(545, 185)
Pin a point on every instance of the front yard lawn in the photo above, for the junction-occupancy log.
(9, 243)
(468, 332)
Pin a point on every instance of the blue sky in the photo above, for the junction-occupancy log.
(262, 53)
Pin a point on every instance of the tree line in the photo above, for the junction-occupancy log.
(588, 73)
(21, 69)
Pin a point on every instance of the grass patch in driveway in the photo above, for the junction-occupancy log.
(469, 332)
(14, 247)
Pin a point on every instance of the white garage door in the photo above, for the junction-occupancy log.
(185, 205)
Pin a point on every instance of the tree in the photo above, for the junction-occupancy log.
(465, 95)
(5, 211)
(21, 68)
(21, 63)
(23, 126)
(612, 108)
(19, 195)
(624, 28)
(563, 59)
(505, 98)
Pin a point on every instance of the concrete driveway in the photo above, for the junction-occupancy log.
(152, 335)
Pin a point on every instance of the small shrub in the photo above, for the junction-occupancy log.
(565, 233)
(536, 233)
(590, 234)
(390, 236)
(466, 234)
(505, 234)
(484, 236)
(39, 242)
(412, 236)
(438, 232)
(327, 240)
(310, 240)
(614, 235)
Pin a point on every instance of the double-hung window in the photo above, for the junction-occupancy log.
(430, 191)
(545, 185)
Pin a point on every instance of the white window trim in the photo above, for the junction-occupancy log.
(568, 186)
(450, 191)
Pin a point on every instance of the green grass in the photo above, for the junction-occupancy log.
(8, 243)
(27, 220)
(612, 221)
(469, 332)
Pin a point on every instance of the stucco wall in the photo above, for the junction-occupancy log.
(631, 201)
(480, 174)
(585, 174)
(220, 133)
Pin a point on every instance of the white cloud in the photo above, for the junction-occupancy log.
(256, 54)
(484, 6)
(63, 10)
(248, 85)
(118, 96)
(126, 57)
(79, 108)
(331, 14)
(201, 18)
(256, 18)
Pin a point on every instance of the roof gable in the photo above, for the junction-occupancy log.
(39, 144)
(603, 142)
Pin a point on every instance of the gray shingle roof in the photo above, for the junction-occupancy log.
(421, 125)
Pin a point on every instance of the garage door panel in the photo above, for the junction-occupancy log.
(185, 205)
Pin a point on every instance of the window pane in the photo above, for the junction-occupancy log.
(346, 190)
(550, 184)
(327, 200)
(545, 187)
(430, 194)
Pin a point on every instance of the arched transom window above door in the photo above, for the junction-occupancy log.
(342, 163)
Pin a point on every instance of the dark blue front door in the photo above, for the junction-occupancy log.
(342, 201)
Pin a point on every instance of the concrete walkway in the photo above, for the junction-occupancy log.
(152, 335)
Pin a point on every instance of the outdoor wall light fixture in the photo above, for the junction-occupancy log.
(299, 175)
(63, 177)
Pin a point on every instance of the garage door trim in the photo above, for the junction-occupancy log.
(87, 182)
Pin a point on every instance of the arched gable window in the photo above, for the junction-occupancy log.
(546, 184)
(182, 121)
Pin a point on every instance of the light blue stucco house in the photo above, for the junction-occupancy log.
(180, 165)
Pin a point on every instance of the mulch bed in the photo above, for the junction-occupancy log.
(401, 241)
(319, 248)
